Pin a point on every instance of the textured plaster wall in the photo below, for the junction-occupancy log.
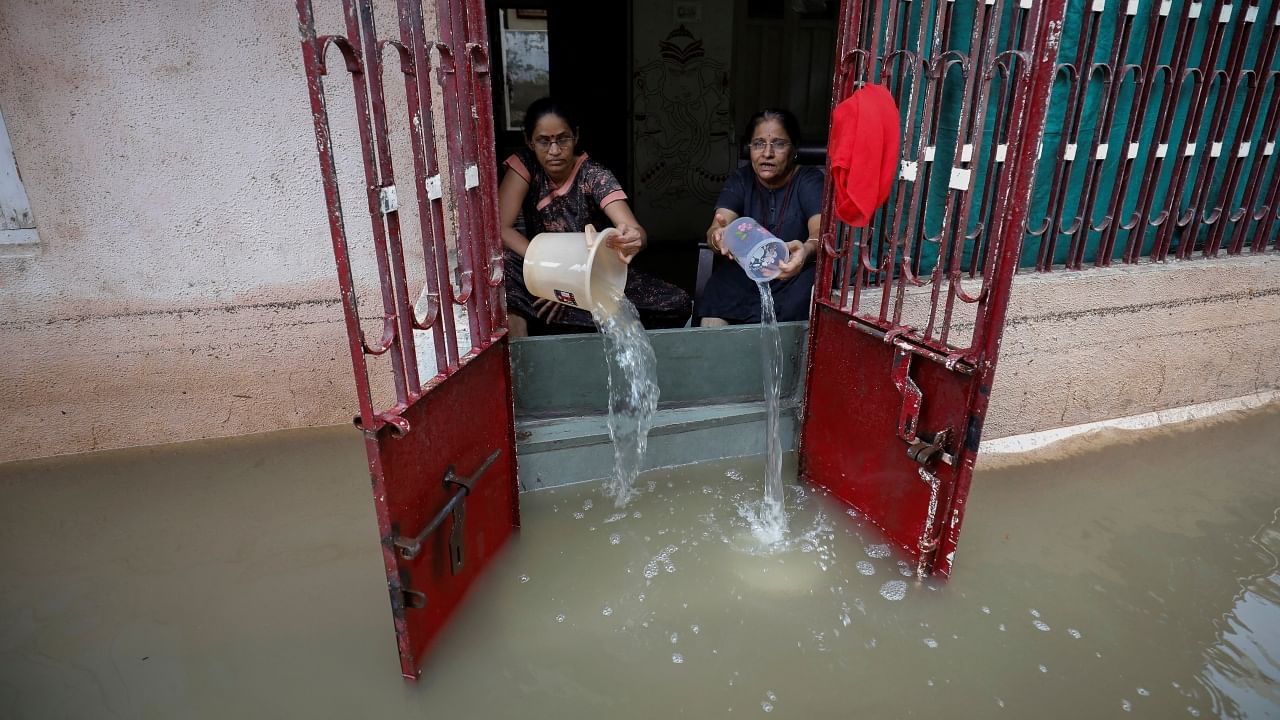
(1099, 344)
(185, 286)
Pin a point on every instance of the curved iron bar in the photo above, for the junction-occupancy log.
(314, 49)
(366, 98)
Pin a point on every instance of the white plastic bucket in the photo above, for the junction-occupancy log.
(755, 248)
(576, 269)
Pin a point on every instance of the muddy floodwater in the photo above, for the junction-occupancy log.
(1122, 576)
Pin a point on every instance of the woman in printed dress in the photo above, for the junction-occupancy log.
(554, 188)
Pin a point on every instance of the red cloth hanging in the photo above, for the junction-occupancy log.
(866, 137)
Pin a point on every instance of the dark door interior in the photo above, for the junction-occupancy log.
(578, 52)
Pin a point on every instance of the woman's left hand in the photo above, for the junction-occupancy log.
(627, 242)
(800, 252)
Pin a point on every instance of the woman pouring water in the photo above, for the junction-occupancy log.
(786, 199)
(557, 189)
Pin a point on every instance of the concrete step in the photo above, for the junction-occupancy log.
(561, 451)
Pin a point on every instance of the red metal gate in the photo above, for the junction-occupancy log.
(442, 457)
(894, 404)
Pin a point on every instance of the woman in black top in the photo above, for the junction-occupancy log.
(782, 196)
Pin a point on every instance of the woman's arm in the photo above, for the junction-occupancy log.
(631, 238)
(802, 252)
(510, 197)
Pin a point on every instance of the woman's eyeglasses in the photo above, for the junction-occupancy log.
(561, 141)
(779, 146)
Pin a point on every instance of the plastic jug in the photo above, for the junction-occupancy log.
(755, 248)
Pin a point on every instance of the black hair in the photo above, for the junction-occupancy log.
(786, 117)
(543, 107)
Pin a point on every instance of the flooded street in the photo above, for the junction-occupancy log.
(1126, 576)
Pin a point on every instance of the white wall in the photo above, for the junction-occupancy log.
(186, 283)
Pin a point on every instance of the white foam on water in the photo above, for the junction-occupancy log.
(633, 395)
(866, 568)
(877, 551)
(894, 590)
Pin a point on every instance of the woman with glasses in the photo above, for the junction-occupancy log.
(555, 188)
(782, 196)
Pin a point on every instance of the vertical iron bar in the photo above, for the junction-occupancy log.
(387, 183)
(427, 185)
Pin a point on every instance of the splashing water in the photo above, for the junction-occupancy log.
(633, 394)
(773, 516)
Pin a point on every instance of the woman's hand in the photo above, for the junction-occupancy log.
(548, 310)
(627, 242)
(715, 234)
(800, 253)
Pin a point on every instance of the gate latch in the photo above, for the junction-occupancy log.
(457, 506)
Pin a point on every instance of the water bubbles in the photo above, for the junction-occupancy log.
(1001, 627)
(1041, 626)
(904, 569)
(866, 568)
(999, 702)
(877, 551)
(636, 515)
(615, 538)
(894, 590)
(614, 518)
(675, 638)
(1035, 613)
(766, 706)
(1193, 711)
(707, 490)
(560, 618)
(694, 629)
(578, 516)
(1125, 705)
(587, 504)
(733, 474)
(1073, 633)
(607, 611)
(851, 513)
(524, 579)
(986, 610)
(1044, 669)
(1144, 692)
(677, 658)
(931, 643)
(769, 699)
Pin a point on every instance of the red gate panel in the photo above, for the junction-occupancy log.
(442, 457)
(417, 474)
(894, 404)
